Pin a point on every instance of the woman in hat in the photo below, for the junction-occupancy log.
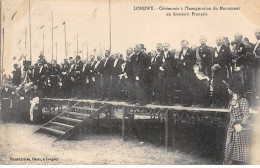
(237, 142)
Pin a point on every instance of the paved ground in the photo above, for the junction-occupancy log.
(17, 142)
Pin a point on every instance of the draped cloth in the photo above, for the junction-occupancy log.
(34, 102)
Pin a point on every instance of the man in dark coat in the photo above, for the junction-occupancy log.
(72, 74)
(204, 62)
(40, 75)
(91, 68)
(221, 61)
(17, 75)
(116, 82)
(6, 102)
(65, 90)
(79, 81)
(54, 74)
(129, 76)
(97, 77)
(107, 75)
(256, 65)
(138, 60)
(168, 74)
(239, 59)
(186, 62)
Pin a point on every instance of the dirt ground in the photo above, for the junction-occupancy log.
(19, 145)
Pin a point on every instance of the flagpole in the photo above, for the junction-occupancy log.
(43, 43)
(52, 35)
(25, 40)
(30, 30)
(56, 51)
(2, 55)
(77, 44)
(1, 59)
(109, 26)
(87, 50)
(66, 53)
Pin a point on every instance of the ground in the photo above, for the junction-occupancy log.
(18, 141)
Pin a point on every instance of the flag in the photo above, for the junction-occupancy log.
(14, 58)
(64, 23)
(94, 15)
(13, 15)
(21, 57)
(55, 27)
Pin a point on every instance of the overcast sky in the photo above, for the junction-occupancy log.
(90, 20)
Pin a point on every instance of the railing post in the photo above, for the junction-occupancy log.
(166, 130)
(123, 123)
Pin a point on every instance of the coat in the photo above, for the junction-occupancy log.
(237, 143)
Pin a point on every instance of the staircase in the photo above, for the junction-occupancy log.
(65, 124)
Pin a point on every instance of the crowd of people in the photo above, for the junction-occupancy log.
(192, 76)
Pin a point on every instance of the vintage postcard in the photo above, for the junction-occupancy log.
(129, 82)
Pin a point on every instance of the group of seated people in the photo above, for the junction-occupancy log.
(192, 76)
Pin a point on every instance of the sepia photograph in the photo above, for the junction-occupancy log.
(129, 82)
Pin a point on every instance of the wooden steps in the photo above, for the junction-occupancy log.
(53, 130)
(65, 124)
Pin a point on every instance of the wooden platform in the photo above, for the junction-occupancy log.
(150, 106)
